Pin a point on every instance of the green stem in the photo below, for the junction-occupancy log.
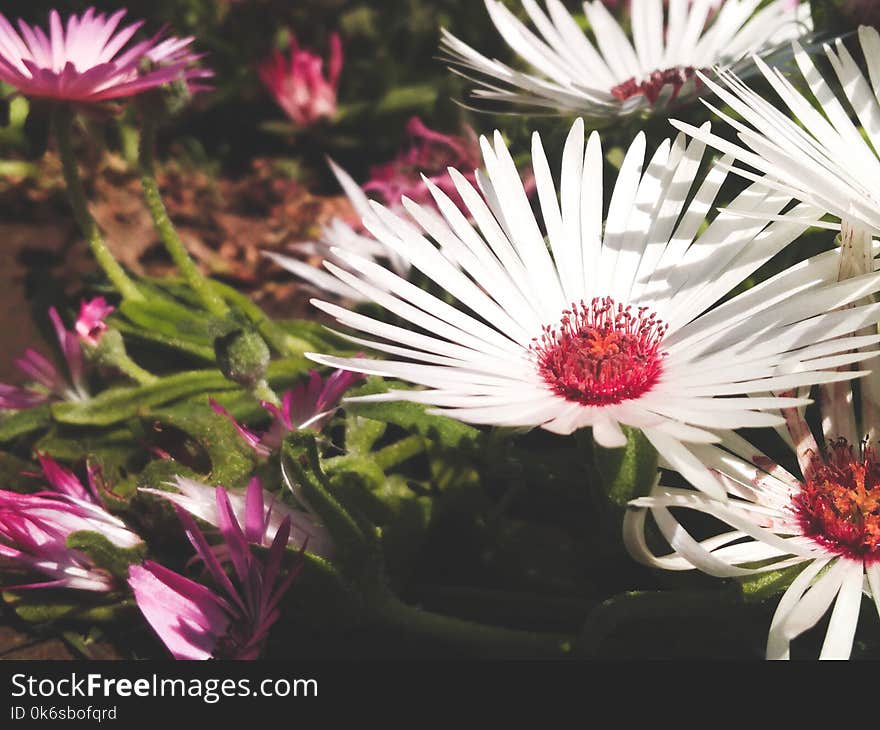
(274, 335)
(651, 606)
(194, 277)
(262, 392)
(398, 452)
(500, 642)
(129, 367)
(62, 122)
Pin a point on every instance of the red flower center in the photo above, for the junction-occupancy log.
(602, 353)
(652, 86)
(839, 506)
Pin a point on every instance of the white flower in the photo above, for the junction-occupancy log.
(614, 324)
(338, 234)
(611, 75)
(826, 521)
(823, 157)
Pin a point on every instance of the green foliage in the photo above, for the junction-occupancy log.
(629, 472)
(104, 554)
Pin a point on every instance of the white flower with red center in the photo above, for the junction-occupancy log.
(87, 60)
(47, 383)
(826, 520)
(299, 85)
(610, 74)
(618, 321)
(821, 156)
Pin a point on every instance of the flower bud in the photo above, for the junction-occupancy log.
(242, 356)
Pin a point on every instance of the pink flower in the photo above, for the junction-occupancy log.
(306, 406)
(200, 500)
(426, 160)
(233, 621)
(298, 83)
(34, 529)
(90, 323)
(84, 62)
(47, 383)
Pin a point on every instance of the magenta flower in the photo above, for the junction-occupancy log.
(233, 620)
(306, 406)
(426, 161)
(200, 500)
(298, 83)
(90, 323)
(47, 384)
(87, 61)
(34, 529)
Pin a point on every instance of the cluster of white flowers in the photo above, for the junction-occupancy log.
(610, 313)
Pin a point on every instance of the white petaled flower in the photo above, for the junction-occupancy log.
(338, 234)
(825, 520)
(609, 74)
(615, 323)
(821, 156)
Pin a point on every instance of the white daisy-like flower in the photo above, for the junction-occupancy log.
(614, 323)
(338, 234)
(821, 156)
(826, 520)
(610, 74)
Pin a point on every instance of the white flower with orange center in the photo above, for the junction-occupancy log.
(598, 319)
(609, 74)
(825, 521)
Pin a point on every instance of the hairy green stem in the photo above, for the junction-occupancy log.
(263, 392)
(633, 606)
(500, 642)
(62, 122)
(274, 335)
(129, 367)
(194, 277)
(398, 452)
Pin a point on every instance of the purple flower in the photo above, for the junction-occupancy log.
(425, 161)
(298, 83)
(47, 383)
(88, 61)
(232, 620)
(90, 323)
(34, 529)
(306, 406)
(200, 500)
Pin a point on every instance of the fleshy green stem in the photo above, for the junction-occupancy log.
(263, 392)
(129, 367)
(194, 277)
(500, 642)
(653, 605)
(62, 122)
(398, 452)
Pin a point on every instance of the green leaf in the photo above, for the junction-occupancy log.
(356, 539)
(827, 16)
(104, 554)
(412, 417)
(628, 472)
(361, 434)
(47, 606)
(157, 321)
(22, 423)
(231, 459)
(406, 98)
(120, 403)
(764, 585)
